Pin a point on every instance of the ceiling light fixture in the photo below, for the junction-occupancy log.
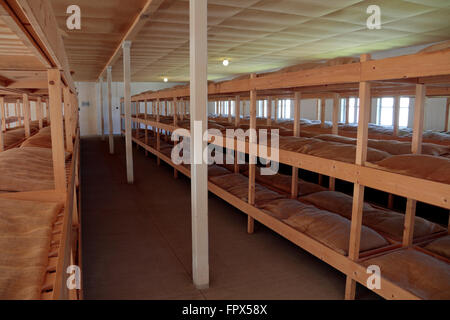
(226, 62)
(166, 80)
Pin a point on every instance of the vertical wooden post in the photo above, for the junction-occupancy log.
(17, 110)
(110, 119)
(127, 101)
(57, 133)
(347, 110)
(447, 116)
(175, 122)
(323, 102)
(146, 126)
(40, 112)
(3, 125)
(237, 111)
(252, 156)
(158, 131)
(68, 118)
(102, 115)
(269, 111)
(199, 169)
(26, 115)
(297, 106)
(396, 115)
(416, 148)
(230, 120)
(358, 193)
(276, 110)
(335, 130)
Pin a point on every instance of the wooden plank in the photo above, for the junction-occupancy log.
(127, 100)
(447, 116)
(199, 170)
(57, 131)
(396, 116)
(102, 116)
(358, 193)
(336, 110)
(297, 106)
(68, 118)
(416, 148)
(269, 110)
(26, 115)
(3, 124)
(347, 110)
(40, 112)
(323, 104)
(110, 120)
(252, 156)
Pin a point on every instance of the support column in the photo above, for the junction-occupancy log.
(111, 129)
(335, 130)
(252, 156)
(57, 132)
(68, 118)
(297, 103)
(199, 169)
(447, 116)
(269, 111)
(347, 110)
(416, 148)
(102, 115)
(26, 115)
(358, 193)
(396, 115)
(3, 125)
(40, 112)
(323, 102)
(127, 103)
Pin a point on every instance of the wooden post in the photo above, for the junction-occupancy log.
(358, 193)
(416, 148)
(102, 115)
(57, 133)
(199, 169)
(347, 110)
(276, 110)
(27, 115)
(111, 129)
(297, 105)
(68, 118)
(158, 131)
(323, 102)
(237, 121)
(3, 125)
(127, 101)
(269, 111)
(230, 120)
(396, 115)
(40, 112)
(146, 126)
(447, 116)
(175, 122)
(335, 130)
(252, 157)
(17, 110)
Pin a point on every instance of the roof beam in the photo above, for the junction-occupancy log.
(138, 23)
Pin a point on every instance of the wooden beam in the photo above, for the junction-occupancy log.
(447, 116)
(396, 116)
(199, 169)
(297, 106)
(347, 110)
(68, 118)
(57, 131)
(26, 115)
(3, 124)
(40, 112)
(416, 148)
(335, 130)
(237, 111)
(323, 104)
(137, 24)
(358, 193)
(252, 156)
(127, 100)
(269, 111)
(110, 119)
(102, 115)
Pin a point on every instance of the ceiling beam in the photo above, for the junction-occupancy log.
(138, 23)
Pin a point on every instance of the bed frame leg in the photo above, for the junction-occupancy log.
(390, 201)
(250, 225)
(350, 289)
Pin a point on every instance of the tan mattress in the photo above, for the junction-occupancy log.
(237, 185)
(26, 169)
(440, 246)
(419, 273)
(420, 166)
(39, 140)
(25, 236)
(387, 222)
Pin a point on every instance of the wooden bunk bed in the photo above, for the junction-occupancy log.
(39, 189)
(362, 242)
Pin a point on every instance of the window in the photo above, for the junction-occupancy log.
(343, 109)
(385, 111)
(404, 112)
(284, 109)
(353, 113)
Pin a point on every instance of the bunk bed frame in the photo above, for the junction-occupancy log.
(421, 75)
(38, 70)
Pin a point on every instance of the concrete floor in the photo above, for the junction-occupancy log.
(137, 240)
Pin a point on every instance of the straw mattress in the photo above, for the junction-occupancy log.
(419, 273)
(440, 247)
(25, 236)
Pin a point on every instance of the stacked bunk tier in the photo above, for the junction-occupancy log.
(31, 229)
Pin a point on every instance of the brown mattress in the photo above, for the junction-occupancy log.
(26, 169)
(237, 185)
(40, 140)
(420, 166)
(419, 273)
(387, 222)
(25, 236)
(440, 247)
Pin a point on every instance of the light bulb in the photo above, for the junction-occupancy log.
(226, 62)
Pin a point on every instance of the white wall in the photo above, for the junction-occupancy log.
(89, 101)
